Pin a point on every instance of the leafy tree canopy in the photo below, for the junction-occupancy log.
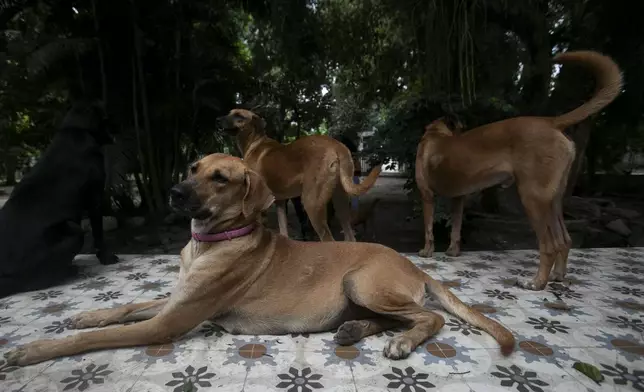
(166, 69)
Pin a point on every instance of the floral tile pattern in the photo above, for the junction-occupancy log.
(596, 316)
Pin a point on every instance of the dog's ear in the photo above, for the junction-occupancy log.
(259, 123)
(258, 197)
(433, 124)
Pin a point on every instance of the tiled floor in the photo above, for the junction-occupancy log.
(601, 323)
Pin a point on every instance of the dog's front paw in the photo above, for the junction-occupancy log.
(28, 354)
(107, 258)
(454, 249)
(531, 284)
(557, 276)
(96, 318)
(427, 251)
(399, 347)
(14, 356)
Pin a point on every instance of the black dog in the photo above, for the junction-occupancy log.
(40, 232)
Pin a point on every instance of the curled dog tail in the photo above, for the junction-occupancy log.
(346, 174)
(455, 306)
(609, 85)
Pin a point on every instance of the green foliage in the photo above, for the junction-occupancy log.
(167, 69)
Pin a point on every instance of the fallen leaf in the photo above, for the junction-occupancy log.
(589, 371)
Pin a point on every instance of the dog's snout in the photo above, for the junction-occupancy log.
(183, 198)
(178, 193)
(224, 123)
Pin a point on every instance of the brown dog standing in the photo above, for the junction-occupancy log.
(319, 168)
(531, 151)
(251, 281)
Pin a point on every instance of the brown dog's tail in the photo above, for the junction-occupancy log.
(609, 85)
(346, 175)
(455, 306)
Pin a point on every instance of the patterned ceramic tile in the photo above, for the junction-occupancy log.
(288, 372)
(96, 373)
(596, 316)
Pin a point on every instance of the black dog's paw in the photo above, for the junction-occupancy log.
(107, 258)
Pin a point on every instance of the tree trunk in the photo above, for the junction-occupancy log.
(281, 126)
(176, 161)
(143, 192)
(157, 198)
(531, 26)
(101, 56)
(143, 185)
(11, 165)
(81, 77)
(299, 122)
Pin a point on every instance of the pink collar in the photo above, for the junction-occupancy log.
(224, 235)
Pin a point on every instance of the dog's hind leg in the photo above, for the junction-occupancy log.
(40, 279)
(281, 217)
(317, 215)
(539, 208)
(561, 263)
(397, 299)
(427, 197)
(343, 212)
(564, 242)
(52, 264)
(457, 222)
(301, 216)
(353, 331)
(560, 241)
(316, 193)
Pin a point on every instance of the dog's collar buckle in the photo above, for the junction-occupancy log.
(224, 235)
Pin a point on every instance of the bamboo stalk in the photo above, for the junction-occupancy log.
(141, 183)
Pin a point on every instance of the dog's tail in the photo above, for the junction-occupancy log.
(608, 81)
(346, 175)
(455, 306)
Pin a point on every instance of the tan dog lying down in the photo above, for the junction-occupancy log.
(318, 168)
(250, 280)
(531, 151)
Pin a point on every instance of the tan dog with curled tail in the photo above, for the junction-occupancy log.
(531, 151)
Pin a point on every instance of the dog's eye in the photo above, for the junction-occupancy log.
(193, 169)
(217, 177)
